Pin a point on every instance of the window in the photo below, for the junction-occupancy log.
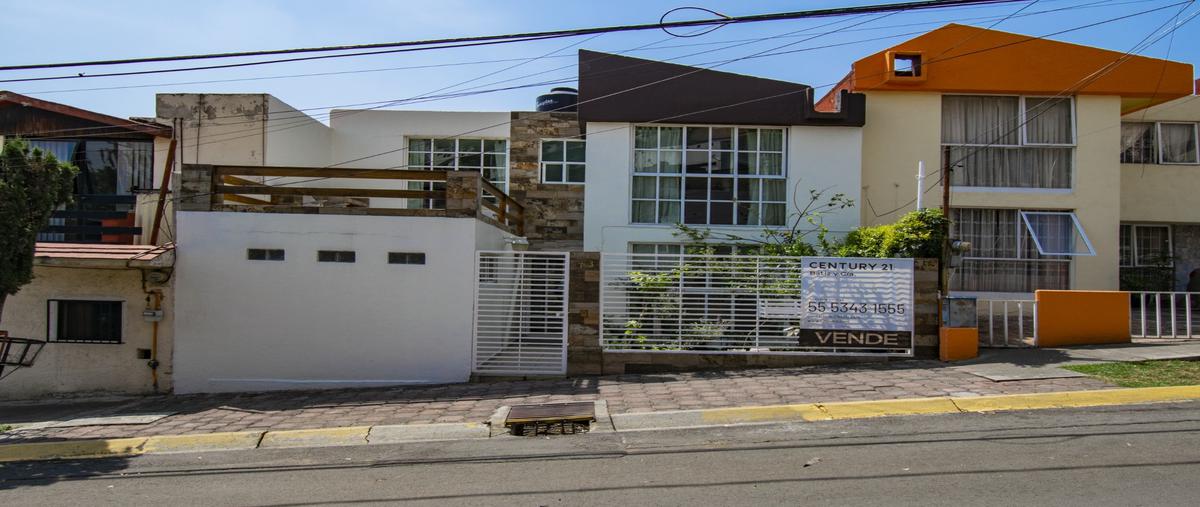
(1145, 245)
(906, 65)
(406, 258)
(656, 248)
(1057, 233)
(1009, 142)
(489, 156)
(105, 167)
(709, 176)
(1004, 256)
(1159, 143)
(562, 161)
(335, 256)
(84, 321)
(264, 254)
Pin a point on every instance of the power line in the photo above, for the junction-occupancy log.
(519, 37)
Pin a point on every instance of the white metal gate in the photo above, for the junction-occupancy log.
(520, 313)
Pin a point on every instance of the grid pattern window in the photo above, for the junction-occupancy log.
(679, 248)
(335, 256)
(563, 160)
(1159, 143)
(406, 258)
(1009, 142)
(709, 175)
(488, 156)
(264, 254)
(1003, 256)
(84, 321)
(1145, 245)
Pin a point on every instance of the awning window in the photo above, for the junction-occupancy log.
(1057, 233)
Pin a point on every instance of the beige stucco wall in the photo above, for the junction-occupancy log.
(904, 128)
(1154, 192)
(86, 368)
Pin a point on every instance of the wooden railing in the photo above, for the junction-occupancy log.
(285, 189)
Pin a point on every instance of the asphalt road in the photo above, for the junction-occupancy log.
(1143, 455)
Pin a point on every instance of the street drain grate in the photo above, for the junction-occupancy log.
(551, 419)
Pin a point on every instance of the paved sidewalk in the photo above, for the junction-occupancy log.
(190, 414)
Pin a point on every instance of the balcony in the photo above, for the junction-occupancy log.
(348, 191)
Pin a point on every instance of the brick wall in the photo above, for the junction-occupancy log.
(553, 212)
(585, 357)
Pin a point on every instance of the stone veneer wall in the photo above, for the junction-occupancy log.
(553, 212)
(585, 357)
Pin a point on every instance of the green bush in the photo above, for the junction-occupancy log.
(917, 234)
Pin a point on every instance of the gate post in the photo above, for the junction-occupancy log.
(584, 355)
(926, 321)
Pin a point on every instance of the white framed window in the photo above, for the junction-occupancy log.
(1004, 256)
(488, 156)
(1001, 141)
(562, 160)
(709, 175)
(1145, 245)
(1057, 233)
(1168, 143)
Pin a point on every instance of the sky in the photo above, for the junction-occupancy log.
(64, 30)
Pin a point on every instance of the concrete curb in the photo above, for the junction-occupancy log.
(365, 435)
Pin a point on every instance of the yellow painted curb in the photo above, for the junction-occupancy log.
(1078, 398)
(73, 449)
(231, 441)
(320, 437)
(881, 408)
(761, 414)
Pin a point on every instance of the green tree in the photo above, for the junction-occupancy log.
(32, 184)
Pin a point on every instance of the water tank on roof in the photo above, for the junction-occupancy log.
(561, 99)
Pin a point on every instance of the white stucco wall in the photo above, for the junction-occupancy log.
(294, 138)
(821, 158)
(86, 368)
(253, 325)
(366, 133)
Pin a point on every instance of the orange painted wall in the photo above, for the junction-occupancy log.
(965, 59)
(957, 344)
(1076, 317)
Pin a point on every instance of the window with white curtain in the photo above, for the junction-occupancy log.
(1159, 143)
(1008, 141)
(1003, 256)
(1145, 245)
(709, 175)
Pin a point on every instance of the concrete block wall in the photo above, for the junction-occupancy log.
(585, 356)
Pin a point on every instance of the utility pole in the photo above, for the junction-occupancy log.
(944, 272)
(920, 185)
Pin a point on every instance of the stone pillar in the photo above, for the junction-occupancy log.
(196, 188)
(926, 320)
(462, 194)
(584, 356)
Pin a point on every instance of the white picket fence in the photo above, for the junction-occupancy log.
(1164, 314)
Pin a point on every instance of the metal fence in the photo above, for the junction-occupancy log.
(520, 313)
(1164, 314)
(706, 304)
(1007, 323)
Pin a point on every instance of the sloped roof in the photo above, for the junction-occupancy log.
(154, 129)
(623, 89)
(965, 59)
(103, 255)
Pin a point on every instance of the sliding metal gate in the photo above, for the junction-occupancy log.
(520, 313)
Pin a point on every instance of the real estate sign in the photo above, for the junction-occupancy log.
(851, 303)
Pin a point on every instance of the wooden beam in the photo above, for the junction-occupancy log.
(163, 190)
(330, 172)
(332, 192)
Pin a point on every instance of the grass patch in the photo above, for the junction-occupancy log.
(1145, 373)
(4, 427)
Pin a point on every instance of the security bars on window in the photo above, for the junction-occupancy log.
(709, 176)
(704, 304)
